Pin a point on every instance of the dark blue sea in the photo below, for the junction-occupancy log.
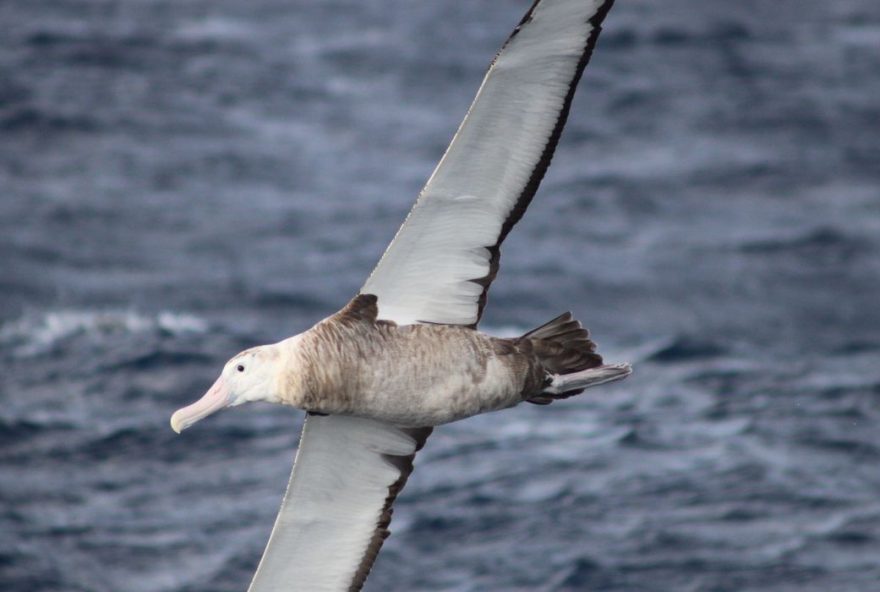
(180, 180)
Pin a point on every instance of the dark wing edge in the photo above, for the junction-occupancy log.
(444, 257)
(335, 514)
(525, 198)
(405, 465)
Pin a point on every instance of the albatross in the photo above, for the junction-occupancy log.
(405, 355)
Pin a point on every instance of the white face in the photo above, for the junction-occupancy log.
(249, 376)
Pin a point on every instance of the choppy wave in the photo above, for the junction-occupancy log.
(37, 334)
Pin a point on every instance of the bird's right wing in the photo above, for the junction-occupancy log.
(335, 513)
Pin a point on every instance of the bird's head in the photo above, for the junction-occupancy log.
(251, 375)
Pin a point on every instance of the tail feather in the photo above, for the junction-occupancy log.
(563, 345)
(565, 385)
(568, 355)
(561, 326)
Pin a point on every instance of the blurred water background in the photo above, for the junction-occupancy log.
(181, 180)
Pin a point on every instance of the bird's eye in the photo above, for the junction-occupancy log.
(240, 368)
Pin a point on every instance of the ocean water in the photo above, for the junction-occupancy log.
(181, 180)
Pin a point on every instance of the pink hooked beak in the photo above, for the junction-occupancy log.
(215, 399)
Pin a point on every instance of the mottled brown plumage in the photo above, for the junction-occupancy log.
(354, 364)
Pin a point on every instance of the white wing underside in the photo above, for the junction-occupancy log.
(334, 504)
(427, 271)
(348, 470)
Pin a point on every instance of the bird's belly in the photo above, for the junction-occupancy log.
(418, 396)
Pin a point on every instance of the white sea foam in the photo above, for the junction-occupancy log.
(214, 29)
(34, 334)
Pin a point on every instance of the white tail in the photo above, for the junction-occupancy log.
(576, 381)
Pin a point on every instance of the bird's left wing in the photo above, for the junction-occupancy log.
(440, 265)
(335, 514)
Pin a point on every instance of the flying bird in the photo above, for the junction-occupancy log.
(404, 355)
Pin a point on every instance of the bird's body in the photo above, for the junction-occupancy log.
(371, 369)
(405, 354)
(354, 364)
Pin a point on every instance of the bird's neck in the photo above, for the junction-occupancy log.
(290, 387)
